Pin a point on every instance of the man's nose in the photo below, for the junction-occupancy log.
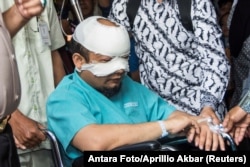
(120, 72)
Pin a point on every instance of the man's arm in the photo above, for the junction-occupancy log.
(237, 120)
(112, 136)
(27, 132)
(20, 13)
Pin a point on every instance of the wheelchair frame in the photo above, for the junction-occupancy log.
(154, 145)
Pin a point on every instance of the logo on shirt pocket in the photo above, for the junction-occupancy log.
(131, 104)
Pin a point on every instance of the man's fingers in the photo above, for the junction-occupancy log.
(215, 142)
(202, 140)
(240, 133)
(29, 8)
(196, 126)
(208, 142)
(41, 134)
(197, 140)
(221, 143)
(191, 134)
(18, 144)
(227, 123)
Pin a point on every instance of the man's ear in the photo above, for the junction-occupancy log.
(78, 60)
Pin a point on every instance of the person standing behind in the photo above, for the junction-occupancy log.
(239, 42)
(188, 69)
(40, 69)
(239, 34)
(10, 90)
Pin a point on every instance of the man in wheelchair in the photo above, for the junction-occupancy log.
(98, 107)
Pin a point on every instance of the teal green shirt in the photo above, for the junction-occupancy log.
(74, 104)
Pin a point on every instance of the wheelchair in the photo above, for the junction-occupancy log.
(168, 143)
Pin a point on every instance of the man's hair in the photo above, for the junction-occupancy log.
(76, 47)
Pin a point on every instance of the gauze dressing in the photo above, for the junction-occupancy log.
(104, 69)
(106, 40)
(102, 39)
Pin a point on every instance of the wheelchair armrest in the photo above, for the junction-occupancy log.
(143, 146)
(177, 142)
(173, 140)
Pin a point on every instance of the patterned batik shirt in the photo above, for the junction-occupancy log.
(188, 69)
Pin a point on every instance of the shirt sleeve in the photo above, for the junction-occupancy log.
(215, 65)
(157, 108)
(67, 114)
(10, 91)
(245, 103)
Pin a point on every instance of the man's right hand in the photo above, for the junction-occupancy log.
(236, 123)
(234, 116)
(178, 121)
(26, 131)
(29, 8)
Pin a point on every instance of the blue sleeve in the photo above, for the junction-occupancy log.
(158, 109)
(66, 116)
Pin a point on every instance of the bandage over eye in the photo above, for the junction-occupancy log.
(102, 39)
(104, 69)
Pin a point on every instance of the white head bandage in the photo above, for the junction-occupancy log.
(106, 40)
(104, 69)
